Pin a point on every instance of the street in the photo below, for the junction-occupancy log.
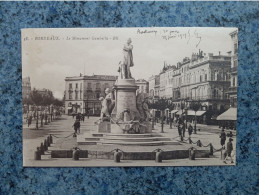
(62, 132)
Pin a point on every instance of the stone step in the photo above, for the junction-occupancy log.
(118, 135)
(150, 143)
(129, 135)
(133, 139)
(92, 139)
(87, 142)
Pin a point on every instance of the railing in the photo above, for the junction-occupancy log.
(232, 90)
(204, 97)
(233, 69)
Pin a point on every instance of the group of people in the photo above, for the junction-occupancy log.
(223, 136)
(182, 128)
(40, 115)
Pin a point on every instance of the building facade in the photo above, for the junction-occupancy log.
(26, 87)
(206, 78)
(233, 72)
(82, 93)
(203, 78)
(154, 86)
(143, 86)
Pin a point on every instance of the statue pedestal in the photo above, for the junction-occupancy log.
(125, 99)
(104, 127)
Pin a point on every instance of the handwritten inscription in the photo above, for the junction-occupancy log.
(167, 34)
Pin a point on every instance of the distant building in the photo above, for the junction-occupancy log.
(26, 87)
(203, 78)
(206, 78)
(233, 72)
(44, 92)
(82, 93)
(166, 81)
(143, 86)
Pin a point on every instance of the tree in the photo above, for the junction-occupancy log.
(36, 97)
(57, 102)
(170, 106)
(195, 105)
(162, 104)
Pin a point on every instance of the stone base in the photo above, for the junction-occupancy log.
(127, 128)
(146, 127)
(104, 127)
(115, 129)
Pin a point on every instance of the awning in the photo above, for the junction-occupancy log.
(174, 111)
(198, 113)
(229, 115)
(180, 112)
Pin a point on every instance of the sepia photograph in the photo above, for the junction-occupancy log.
(121, 97)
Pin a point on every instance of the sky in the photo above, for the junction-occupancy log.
(50, 55)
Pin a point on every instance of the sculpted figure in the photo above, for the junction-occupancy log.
(142, 106)
(107, 104)
(139, 102)
(127, 61)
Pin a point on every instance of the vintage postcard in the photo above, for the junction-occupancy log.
(98, 97)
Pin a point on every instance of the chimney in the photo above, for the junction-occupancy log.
(219, 53)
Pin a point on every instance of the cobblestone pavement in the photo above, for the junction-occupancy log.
(62, 131)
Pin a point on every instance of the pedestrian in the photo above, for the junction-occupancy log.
(29, 120)
(230, 134)
(184, 128)
(179, 130)
(222, 137)
(190, 129)
(83, 118)
(76, 126)
(229, 151)
(78, 117)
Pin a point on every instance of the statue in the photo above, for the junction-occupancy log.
(107, 104)
(127, 61)
(142, 106)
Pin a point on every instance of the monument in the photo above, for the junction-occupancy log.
(126, 110)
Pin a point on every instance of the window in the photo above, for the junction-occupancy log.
(234, 81)
(70, 96)
(76, 85)
(205, 77)
(235, 63)
(106, 85)
(200, 78)
(235, 48)
(88, 85)
(70, 85)
(76, 96)
(97, 85)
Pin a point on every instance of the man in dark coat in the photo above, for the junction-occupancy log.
(179, 130)
(222, 137)
(76, 126)
(190, 129)
(184, 128)
(229, 151)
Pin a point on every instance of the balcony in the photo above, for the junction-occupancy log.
(98, 89)
(233, 69)
(208, 97)
(232, 90)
